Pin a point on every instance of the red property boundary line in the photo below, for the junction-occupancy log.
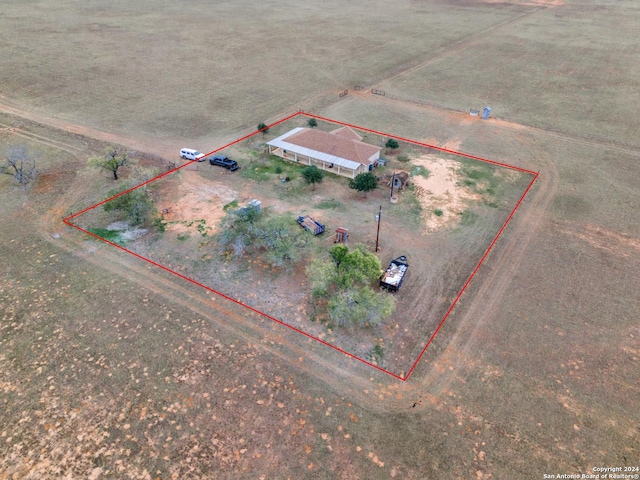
(67, 221)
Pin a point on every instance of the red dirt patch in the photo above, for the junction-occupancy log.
(197, 199)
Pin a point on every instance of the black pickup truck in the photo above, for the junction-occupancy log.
(223, 161)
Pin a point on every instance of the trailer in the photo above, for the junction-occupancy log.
(392, 278)
(310, 224)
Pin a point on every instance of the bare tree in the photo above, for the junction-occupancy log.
(20, 164)
(113, 159)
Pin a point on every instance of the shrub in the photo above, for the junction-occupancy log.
(392, 144)
(160, 223)
(136, 205)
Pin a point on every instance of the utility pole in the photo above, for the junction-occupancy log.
(393, 181)
(378, 218)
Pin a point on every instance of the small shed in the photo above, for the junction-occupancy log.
(342, 235)
(399, 180)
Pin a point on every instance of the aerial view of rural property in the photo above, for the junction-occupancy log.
(319, 240)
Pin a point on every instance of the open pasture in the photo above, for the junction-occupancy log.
(197, 71)
(572, 69)
(110, 369)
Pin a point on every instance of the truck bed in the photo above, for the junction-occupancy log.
(310, 224)
(393, 276)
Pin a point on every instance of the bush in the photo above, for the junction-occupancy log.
(231, 205)
(161, 224)
(114, 236)
(136, 205)
(360, 307)
(263, 127)
(392, 144)
(278, 239)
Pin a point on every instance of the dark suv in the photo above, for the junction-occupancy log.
(223, 161)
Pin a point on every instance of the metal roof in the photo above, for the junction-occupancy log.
(290, 147)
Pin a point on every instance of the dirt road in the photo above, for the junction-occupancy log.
(342, 374)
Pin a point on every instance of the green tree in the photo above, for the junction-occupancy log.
(112, 160)
(263, 128)
(353, 268)
(346, 283)
(136, 205)
(364, 182)
(392, 144)
(312, 175)
(312, 122)
(278, 239)
(360, 307)
(322, 276)
(359, 267)
(338, 253)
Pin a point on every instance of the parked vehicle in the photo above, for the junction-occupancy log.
(394, 275)
(191, 154)
(310, 224)
(225, 162)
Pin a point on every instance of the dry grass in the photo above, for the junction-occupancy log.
(536, 370)
(556, 69)
(442, 254)
(197, 72)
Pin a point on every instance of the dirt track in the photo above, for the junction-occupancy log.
(493, 279)
(276, 339)
(349, 378)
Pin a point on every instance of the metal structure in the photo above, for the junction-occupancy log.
(342, 235)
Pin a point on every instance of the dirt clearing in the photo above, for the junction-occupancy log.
(441, 192)
(197, 199)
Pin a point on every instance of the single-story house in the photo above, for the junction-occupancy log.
(340, 151)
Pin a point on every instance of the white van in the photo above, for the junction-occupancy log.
(191, 154)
